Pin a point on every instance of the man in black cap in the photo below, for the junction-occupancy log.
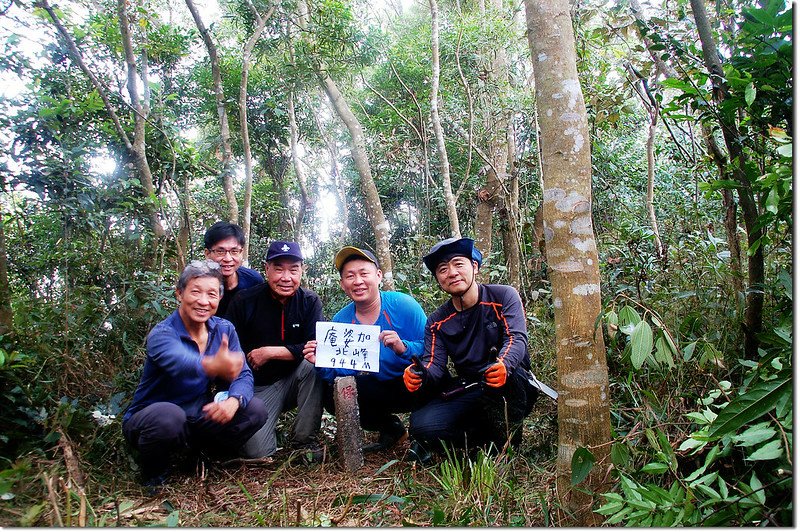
(481, 329)
(274, 321)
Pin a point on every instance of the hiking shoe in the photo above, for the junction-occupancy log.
(153, 485)
(393, 434)
(418, 453)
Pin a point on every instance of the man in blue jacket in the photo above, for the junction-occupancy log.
(380, 395)
(224, 243)
(481, 330)
(191, 355)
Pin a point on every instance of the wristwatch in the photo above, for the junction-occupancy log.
(240, 399)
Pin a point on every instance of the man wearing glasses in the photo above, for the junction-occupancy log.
(224, 245)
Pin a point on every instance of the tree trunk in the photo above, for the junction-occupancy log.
(341, 191)
(444, 162)
(510, 213)
(138, 147)
(583, 402)
(373, 201)
(224, 128)
(135, 147)
(754, 299)
(731, 224)
(651, 178)
(247, 51)
(299, 173)
(6, 313)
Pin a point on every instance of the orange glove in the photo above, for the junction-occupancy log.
(412, 379)
(496, 375)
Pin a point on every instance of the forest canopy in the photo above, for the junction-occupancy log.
(129, 127)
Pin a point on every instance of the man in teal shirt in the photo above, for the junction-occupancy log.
(402, 321)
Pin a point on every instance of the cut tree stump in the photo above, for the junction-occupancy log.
(348, 423)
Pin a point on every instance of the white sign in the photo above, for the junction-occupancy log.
(348, 346)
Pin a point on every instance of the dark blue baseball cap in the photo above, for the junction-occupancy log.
(282, 248)
(449, 248)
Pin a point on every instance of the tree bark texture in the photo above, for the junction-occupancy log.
(348, 423)
(224, 128)
(373, 201)
(583, 402)
(754, 299)
(441, 149)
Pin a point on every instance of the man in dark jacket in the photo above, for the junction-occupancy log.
(274, 321)
(224, 243)
(188, 355)
(481, 329)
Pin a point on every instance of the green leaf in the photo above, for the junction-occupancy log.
(691, 443)
(641, 343)
(785, 150)
(754, 436)
(620, 456)
(688, 351)
(386, 466)
(664, 353)
(769, 451)
(771, 203)
(173, 519)
(582, 463)
(758, 400)
(628, 316)
(655, 468)
(758, 489)
(750, 94)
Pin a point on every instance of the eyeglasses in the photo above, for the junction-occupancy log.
(220, 253)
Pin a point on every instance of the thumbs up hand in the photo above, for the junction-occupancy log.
(225, 364)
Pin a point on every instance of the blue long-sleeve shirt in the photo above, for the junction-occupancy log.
(173, 372)
(400, 313)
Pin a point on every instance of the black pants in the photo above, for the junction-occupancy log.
(378, 401)
(478, 416)
(160, 429)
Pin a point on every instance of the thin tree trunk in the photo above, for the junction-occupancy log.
(373, 201)
(184, 227)
(731, 224)
(224, 128)
(651, 178)
(341, 192)
(662, 67)
(754, 299)
(140, 117)
(441, 150)
(135, 147)
(247, 52)
(583, 402)
(6, 313)
(510, 227)
(298, 167)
